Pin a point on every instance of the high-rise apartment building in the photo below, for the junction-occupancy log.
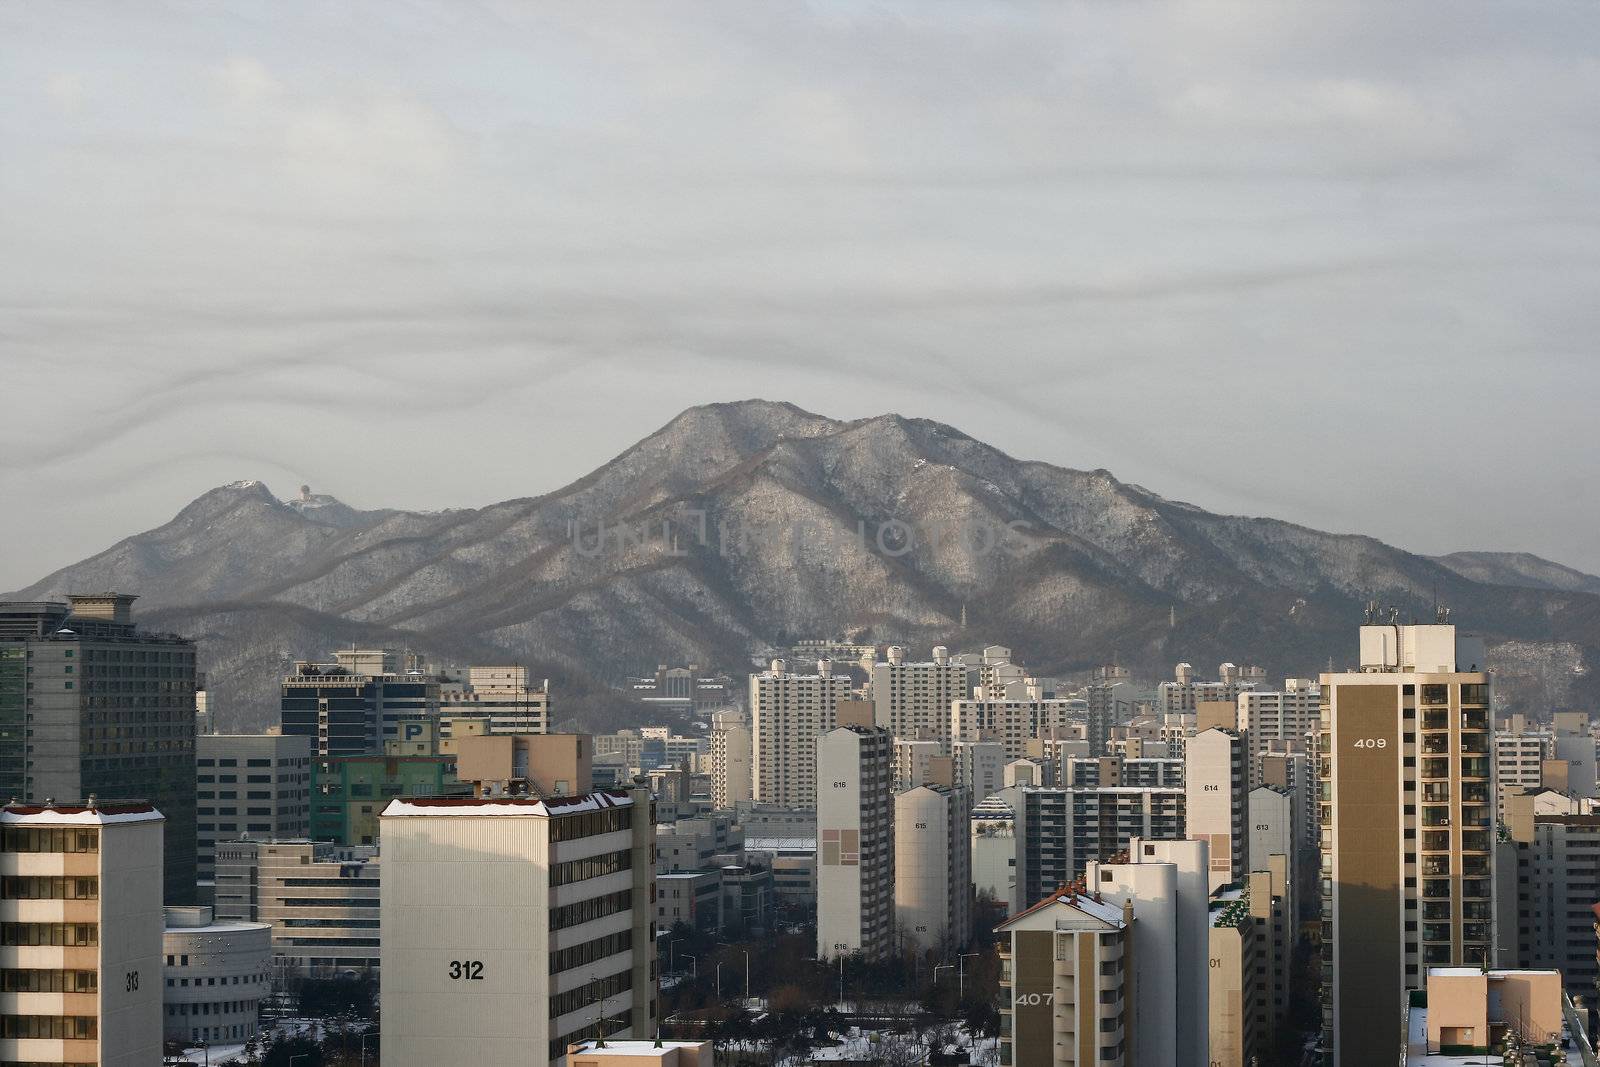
(1284, 720)
(1059, 831)
(855, 842)
(92, 704)
(81, 922)
(1164, 882)
(255, 784)
(515, 927)
(731, 757)
(1215, 774)
(1239, 984)
(933, 868)
(911, 761)
(979, 767)
(788, 712)
(1408, 819)
(1011, 721)
(1185, 691)
(1519, 762)
(912, 700)
(1116, 770)
(1067, 984)
(320, 899)
(1553, 882)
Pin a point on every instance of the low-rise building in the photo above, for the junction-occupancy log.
(612, 1053)
(320, 899)
(348, 792)
(217, 973)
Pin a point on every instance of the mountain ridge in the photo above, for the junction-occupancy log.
(769, 524)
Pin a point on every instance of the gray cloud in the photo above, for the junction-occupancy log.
(1329, 263)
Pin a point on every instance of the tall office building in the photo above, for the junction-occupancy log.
(1165, 883)
(912, 700)
(1068, 973)
(92, 704)
(933, 869)
(1214, 775)
(1408, 821)
(788, 712)
(731, 756)
(515, 927)
(82, 921)
(255, 784)
(855, 842)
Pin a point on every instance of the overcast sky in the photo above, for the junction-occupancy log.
(1336, 263)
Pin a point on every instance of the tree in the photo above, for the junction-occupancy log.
(292, 1050)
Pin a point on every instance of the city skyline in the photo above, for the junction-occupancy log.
(1144, 240)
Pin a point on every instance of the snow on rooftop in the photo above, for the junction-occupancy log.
(478, 807)
(77, 815)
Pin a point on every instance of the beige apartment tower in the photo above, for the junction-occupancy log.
(82, 948)
(933, 869)
(516, 927)
(730, 759)
(788, 712)
(1408, 824)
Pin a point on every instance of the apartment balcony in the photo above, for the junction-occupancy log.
(1475, 767)
(1436, 793)
(1475, 931)
(1439, 816)
(1437, 910)
(1475, 866)
(1436, 955)
(1436, 745)
(1436, 931)
(1475, 889)
(1436, 866)
(1435, 768)
(1475, 841)
(1475, 719)
(1436, 889)
(1475, 744)
(1474, 793)
(1436, 719)
(1436, 841)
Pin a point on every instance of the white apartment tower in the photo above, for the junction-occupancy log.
(933, 869)
(731, 756)
(788, 712)
(1408, 824)
(912, 700)
(83, 922)
(250, 785)
(515, 926)
(855, 843)
(1165, 883)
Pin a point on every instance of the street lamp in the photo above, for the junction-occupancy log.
(364, 1037)
(694, 964)
(719, 979)
(961, 974)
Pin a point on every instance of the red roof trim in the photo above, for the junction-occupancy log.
(71, 809)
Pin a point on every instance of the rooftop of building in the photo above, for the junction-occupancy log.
(500, 806)
(1074, 896)
(626, 1047)
(90, 812)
